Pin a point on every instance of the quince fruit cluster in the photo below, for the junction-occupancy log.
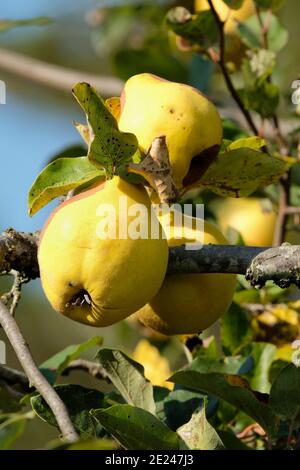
(99, 281)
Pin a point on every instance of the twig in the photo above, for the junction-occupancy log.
(14, 294)
(92, 368)
(265, 44)
(35, 376)
(222, 65)
(283, 210)
(55, 76)
(13, 376)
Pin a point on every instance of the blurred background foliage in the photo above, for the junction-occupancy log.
(103, 37)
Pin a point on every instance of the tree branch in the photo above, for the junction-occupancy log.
(280, 264)
(92, 368)
(13, 377)
(35, 376)
(55, 76)
(18, 252)
(16, 377)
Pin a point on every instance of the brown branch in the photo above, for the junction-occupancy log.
(55, 76)
(283, 210)
(18, 252)
(208, 259)
(15, 377)
(35, 377)
(226, 75)
(92, 368)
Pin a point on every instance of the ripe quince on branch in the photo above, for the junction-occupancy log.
(93, 280)
(153, 107)
(189, 303)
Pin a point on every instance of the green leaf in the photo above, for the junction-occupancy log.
(226, 365)
(79, 401)
(284, 395)
(58, 363)
(198, 434)
(235, 329)
(232, 130)
(254, 143)
(109, 147)
(240, 172)
(12, 427)
(262, 63)
(137, 429)
(179, 406)
(58, 178)
(269, 4)
(128, 377)
(231, 442)
(250, 32)
(239, 396)
(262, 97)
(82, 444)
(153, 58)
(234, 4)
(8, 402)
(5, 25)
(95, 444)
(199, 29)
(263, 355)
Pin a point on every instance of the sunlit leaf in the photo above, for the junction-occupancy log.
(263, 355)
(240, 172)
(250, 32)
(200, 29)
(109, 148)
(59, 177)
(198, 434)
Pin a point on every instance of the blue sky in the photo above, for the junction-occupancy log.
(35, 123)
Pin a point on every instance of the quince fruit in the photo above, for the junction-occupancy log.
(188, 303)
(152, 107)
(251, 217)
(94, 279)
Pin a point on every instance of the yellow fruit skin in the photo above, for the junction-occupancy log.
(248, 217)
(119, 275)
(227, 14)
(234, 48)
(189, 303)
(151, 107)
(156, 367)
